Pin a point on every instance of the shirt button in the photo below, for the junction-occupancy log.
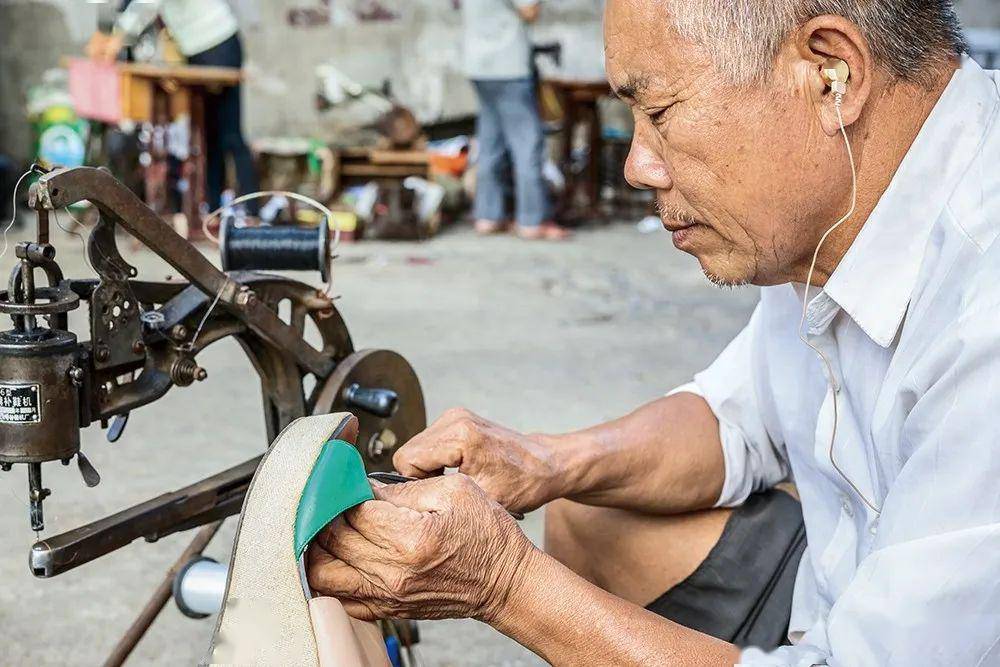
(831, 380)
(846, 505)
(873, 528)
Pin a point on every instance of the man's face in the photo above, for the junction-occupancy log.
(741, 173)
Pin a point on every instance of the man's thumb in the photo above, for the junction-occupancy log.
(421, 459)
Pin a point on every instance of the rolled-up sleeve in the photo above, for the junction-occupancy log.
(731, 387)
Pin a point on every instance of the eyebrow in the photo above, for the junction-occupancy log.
(632, 88)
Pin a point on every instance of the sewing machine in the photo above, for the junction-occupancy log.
(144, 340)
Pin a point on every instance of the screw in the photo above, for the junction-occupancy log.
(245, 298)
(6, 467)
(152, 319)
(185, 371)
(376, 447)
(102, 354)
(138, 347)
(76, 374)
(381, 443)
(179, 332)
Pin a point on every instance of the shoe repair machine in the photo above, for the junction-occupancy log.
(145, 337)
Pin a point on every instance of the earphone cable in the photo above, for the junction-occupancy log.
(838, 103)
(13, 217)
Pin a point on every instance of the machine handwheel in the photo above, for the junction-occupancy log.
(382, 390)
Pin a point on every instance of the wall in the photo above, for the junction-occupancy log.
(979, 13)
(418, 50)
(416, 45)
(33, 36)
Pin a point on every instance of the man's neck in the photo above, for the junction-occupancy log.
(881, 141)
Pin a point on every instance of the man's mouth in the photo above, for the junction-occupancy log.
(673, 225)
(682, 235)
(679, 223)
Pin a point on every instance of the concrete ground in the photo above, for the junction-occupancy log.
(541, 337)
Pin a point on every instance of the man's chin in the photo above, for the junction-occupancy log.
(723, 282)
(724, 274)
(718, 262)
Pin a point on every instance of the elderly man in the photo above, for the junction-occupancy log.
(884, 412)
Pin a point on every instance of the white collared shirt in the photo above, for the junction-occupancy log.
(910, 321)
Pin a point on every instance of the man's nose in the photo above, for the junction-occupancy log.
(644, 168)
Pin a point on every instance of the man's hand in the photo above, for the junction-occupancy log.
(430, 549)
(520, 472)
(440, 548)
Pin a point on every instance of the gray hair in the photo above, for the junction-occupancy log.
(744, 36)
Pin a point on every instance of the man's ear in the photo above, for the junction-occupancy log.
(821, 39)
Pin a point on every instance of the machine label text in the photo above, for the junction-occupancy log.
(19, 404)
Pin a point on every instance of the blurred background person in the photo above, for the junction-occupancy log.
(509, 127)
(206, 33)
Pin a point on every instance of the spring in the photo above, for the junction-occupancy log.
(278, 248)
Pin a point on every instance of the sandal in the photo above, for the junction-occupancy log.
(269, 615)
(489, 227)
(547, 231)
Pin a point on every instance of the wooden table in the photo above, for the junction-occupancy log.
(389, 168)
(579, 100)
(159, 95)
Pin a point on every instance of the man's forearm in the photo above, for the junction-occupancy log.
(666, 457)
(569, 621)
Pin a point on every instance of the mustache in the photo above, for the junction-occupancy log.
(671, 212)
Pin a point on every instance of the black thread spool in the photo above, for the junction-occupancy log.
(275, 248)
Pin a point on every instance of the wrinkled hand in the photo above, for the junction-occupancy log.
(518, 471)
(430, 549)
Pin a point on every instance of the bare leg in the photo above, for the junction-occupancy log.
(634, 556)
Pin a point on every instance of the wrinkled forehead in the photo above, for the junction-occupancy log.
(635, 24)
(640, 44)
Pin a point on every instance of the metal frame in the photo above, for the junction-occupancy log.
(145, 337)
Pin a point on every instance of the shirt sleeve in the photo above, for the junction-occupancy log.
(137, 17)
(733, 386)
(929, 591)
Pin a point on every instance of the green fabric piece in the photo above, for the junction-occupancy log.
(336, 484)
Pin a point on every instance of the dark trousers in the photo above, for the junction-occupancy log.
(223, 127)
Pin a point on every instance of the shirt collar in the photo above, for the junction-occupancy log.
(874, 281)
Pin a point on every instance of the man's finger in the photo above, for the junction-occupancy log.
(361, 611)
(429, 495)
(331, 576)
(341, 540)
(427, 456)
(441, 445)
(380, 522)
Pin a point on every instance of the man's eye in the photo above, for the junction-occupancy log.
(657, 116)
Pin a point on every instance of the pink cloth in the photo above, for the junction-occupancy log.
(95, 88)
